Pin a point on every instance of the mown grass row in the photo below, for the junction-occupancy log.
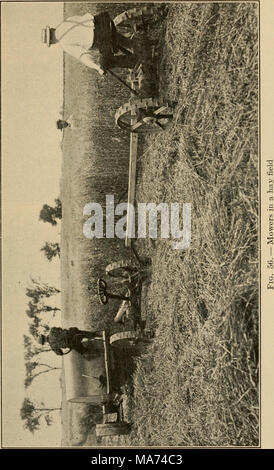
(198, 384)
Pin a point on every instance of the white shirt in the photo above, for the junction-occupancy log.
(76, 35)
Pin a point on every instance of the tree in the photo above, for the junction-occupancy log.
(36, 309)
(31, 367)
(35, 328)
(33, 413)
(50, 214)
(51, 250)
(36, 306)
(39, 290)
(32, 312)
(41, 307)
(31, 350)
(28, 344)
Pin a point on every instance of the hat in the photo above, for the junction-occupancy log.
(42, 339)
(62, 124)
(45, 36)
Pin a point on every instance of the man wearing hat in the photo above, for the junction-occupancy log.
(71, 338)
(93, 40)
(64, 123)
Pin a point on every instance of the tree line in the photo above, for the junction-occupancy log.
(36, 364)
(51, 215)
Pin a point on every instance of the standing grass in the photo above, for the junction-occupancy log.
(95, 163)
(198, 384)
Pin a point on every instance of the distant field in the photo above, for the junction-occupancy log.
(198, 384)
(95, 163)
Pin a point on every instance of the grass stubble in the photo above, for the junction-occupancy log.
(197, 385)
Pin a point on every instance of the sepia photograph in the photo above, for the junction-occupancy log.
(131, 224)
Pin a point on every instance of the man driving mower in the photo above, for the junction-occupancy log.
(71, 338)
(93, 40)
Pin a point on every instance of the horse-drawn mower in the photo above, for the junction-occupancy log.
(93, 380)
(145, 112)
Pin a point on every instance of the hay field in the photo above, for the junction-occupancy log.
(198, 384)
(94, 163)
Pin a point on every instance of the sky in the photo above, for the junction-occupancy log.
(31, 167)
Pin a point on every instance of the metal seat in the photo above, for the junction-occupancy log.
(104, 295)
